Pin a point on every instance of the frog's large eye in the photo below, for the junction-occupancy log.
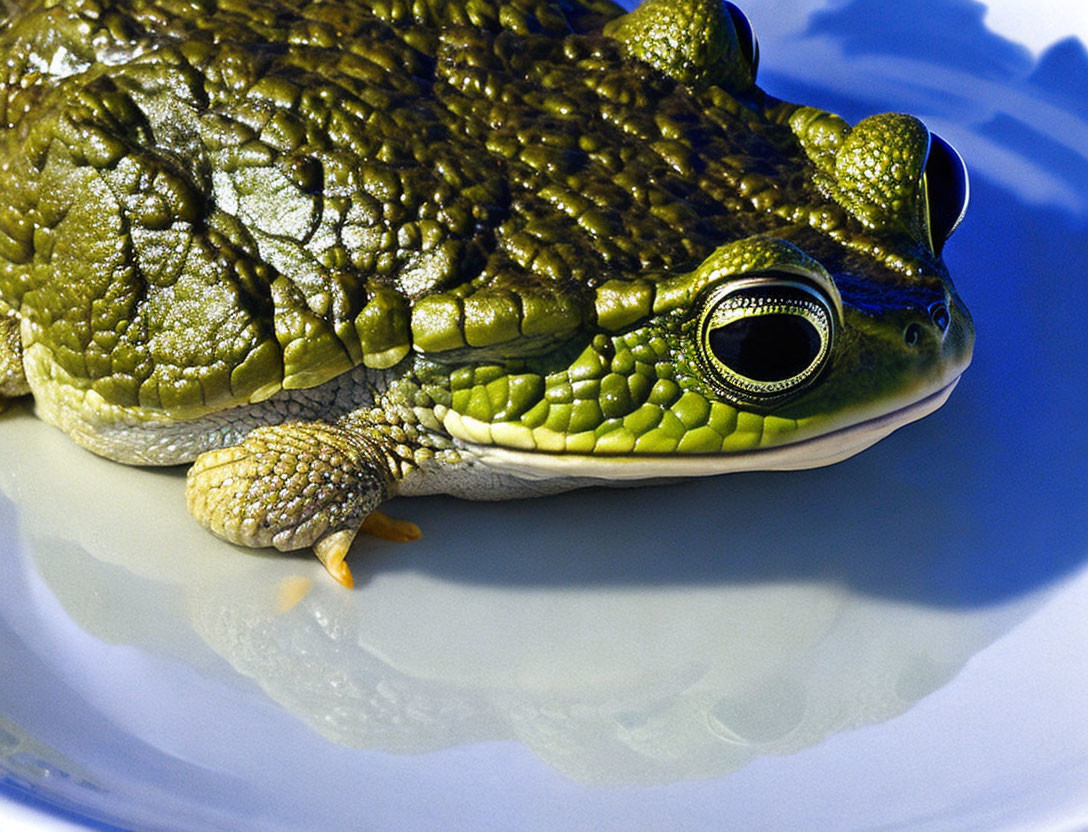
(947, 191)
(765, 337)
(749, 46)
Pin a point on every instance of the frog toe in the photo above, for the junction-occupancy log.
(332, 551)
(12, 378)
(380, 524)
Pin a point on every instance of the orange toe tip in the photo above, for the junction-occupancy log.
(341, 573)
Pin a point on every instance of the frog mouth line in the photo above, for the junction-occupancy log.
(814, 452)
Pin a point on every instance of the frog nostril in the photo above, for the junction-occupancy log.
(940, 317)
(912, 334)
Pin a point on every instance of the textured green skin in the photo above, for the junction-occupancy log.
(513, 209)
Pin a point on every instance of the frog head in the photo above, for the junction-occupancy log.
(791, 348)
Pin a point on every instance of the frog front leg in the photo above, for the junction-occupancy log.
(12, 378)
(300, 484)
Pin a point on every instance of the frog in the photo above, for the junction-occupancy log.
(331, 253)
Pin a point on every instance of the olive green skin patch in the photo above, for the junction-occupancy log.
(367, 240)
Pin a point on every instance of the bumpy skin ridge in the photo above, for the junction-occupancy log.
(693, 42)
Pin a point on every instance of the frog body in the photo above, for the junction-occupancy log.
(336, 252)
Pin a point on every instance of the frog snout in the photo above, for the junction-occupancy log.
(945, 334)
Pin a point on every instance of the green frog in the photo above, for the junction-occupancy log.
(333, 252)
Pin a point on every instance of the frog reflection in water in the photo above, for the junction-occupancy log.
(340, 251)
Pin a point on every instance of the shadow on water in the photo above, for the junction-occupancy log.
(981, 502)
(951, 34)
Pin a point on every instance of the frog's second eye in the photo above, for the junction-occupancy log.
(765, 338)
(947, 191)
(746, 38)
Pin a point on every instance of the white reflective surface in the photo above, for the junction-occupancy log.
(894, 641)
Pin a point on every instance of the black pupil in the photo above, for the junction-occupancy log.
(771, 347)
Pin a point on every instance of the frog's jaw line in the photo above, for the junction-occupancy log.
(810, 453)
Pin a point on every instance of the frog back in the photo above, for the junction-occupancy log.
(208, 208)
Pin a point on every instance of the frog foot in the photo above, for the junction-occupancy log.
(293, 486)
